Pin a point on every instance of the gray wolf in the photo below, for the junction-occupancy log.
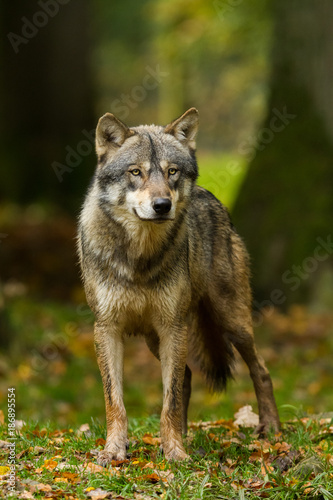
(161, 258)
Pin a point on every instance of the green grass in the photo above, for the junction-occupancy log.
(226, 462)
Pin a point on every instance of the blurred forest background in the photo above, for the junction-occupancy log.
(261, 75)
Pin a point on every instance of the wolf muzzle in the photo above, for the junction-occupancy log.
(162, 205)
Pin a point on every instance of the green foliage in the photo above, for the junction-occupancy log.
(213, 55)
(226, 462)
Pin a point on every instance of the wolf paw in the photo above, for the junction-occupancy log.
(176, 454)
(106, 456)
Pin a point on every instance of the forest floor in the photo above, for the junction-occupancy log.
(50, 361)
(51, 368)
(227, 461)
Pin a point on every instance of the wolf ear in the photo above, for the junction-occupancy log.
(185, 128)
(111, 133)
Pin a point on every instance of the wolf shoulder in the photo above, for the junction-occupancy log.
(209, 213)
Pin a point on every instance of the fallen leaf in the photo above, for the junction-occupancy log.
(43, 487)
(98, 494)
(39, 433)
(152, 478)
(100, 442)
(39, 449)
(2, 417)
(50, 464)
(148, 439)
(19, 424)
(237, 485)
(70, 476)
(246, 417)
(228, 424)
(3, 470)
(91, 467)
(266, 469)
(84, 429)
(26, 495)
(22, 453)
(118, 463)
(60, 432)
(282, 447)
(94, 468)
(258, 455)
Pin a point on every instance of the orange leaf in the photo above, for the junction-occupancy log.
(258, 455)
(100, 442)
(139, 463)
(148, 439)
(39, 433)
(70, 476)
(43, 487)
(94, 467)
(213, 436)
(266, 469)
(118, 463)
(50, 464)
(153, 478)
(282, 447)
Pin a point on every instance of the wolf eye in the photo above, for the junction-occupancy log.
(136, 171)
(172, 171)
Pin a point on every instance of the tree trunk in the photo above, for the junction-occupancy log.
(285, 205)
(46, 98)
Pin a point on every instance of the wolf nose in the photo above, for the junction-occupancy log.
(162, 205)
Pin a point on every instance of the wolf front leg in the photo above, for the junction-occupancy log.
(153, 342)
(109, 348)
(173, 354)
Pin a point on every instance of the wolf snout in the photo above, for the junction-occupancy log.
(162, 205)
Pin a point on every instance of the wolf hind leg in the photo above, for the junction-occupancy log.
(153, 343)
(241, 335)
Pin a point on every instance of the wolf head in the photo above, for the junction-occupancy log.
(146, 173)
